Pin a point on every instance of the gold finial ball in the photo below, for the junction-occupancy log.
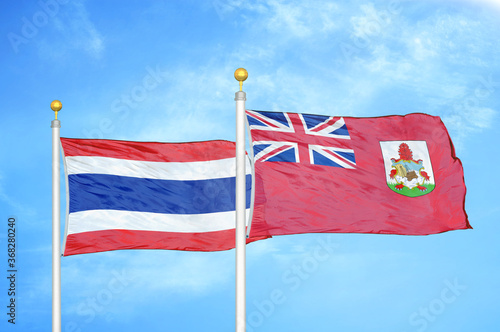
(56, 105)
(241, 74)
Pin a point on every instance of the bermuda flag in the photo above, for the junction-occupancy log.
(326, 174)
(148, 195)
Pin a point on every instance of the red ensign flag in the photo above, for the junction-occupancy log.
(323, 174)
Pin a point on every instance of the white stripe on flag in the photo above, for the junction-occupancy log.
(182, 171)
(99, 220)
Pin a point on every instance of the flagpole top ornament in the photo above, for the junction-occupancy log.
(56, 106)
(241, 74)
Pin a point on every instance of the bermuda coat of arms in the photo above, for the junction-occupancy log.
(408, 167)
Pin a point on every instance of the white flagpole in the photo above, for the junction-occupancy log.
(240, 97)
(56, 220)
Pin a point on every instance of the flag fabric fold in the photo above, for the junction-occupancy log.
(324, 174)
(149, 195)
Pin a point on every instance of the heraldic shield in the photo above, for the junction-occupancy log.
(408, 167)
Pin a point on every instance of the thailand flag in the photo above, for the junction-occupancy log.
(148, 195)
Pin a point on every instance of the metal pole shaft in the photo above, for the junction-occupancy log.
(56, 229)
(240, 99)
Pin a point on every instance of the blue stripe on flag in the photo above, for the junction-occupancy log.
(254, 122)
(112, 192)
(341, 131)
(347, 155)
(319, 159)
(257, 148)
(313, 120)
(286, 156)
(277, 116)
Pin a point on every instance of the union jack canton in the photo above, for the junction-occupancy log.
(300, 138)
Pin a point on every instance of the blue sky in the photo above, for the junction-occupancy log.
(163, 71)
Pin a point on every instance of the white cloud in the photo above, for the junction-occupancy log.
(15, 207)
(490, 4)
(300, 19)
(83, 32)
(78, 32)
(422, 49)
(464, 122)
(372, 22)
(191, 105)
(120, 281)
(482, 117)
(192, 273)
(435, 59)
(287, 19)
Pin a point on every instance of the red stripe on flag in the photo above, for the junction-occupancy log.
(149, 151)
(338, 156)
(275, 152)
(330, 122)
(263, 120)
(301, 138)
(118, 239)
